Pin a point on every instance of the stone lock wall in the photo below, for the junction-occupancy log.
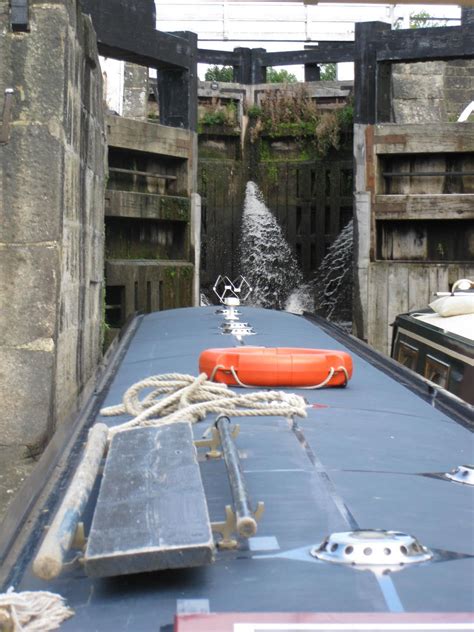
(431, 91)
(52, 217)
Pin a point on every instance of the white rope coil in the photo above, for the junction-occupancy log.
(177, 397)
(37, 611)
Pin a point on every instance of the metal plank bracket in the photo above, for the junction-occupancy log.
(214, 442)
(230, 526)
(240, 519)
(6, 116)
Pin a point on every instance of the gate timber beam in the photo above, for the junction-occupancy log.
(437, 43)
(125, 31)
(218, 57)
(367, 38)
(178, 89)
(324, 53)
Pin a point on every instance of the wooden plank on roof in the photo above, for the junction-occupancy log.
(151, 513)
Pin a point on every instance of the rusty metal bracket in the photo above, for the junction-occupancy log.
(6, 116)
(230, 526)
(215, 441)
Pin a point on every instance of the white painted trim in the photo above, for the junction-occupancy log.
(314, 627)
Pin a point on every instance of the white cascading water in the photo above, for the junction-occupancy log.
(269, 265)
(329, 293)
(266, 259)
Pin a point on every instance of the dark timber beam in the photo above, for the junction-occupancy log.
(325, 53)
(312, 72)
(366, 76)
(125, 30)
(177, 90)
(217, 57)
(258, 68)
(437, 43)
(467, 16)
(243, 65)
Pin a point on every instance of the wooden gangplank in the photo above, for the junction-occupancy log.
(151, 512)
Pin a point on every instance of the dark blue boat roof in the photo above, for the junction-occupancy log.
(370, 456)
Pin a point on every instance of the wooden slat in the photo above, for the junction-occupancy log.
(377, 306)
(418, 138)
(151, 512)
(146, 206)
(146, 174)
(135, 135)
(416, 207)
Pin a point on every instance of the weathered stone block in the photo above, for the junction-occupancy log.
(52, 184)
(411, 88)
(28, 290)
(32, 181)
(26, 392)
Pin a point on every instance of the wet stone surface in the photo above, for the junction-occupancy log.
(14, 469)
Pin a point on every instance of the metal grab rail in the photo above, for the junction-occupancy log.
(246, 524)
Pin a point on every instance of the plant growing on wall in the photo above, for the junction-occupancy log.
(294, 113)
(217, 113)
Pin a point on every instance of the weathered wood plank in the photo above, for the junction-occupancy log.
(419, 138)
(416, 207)
(146, 206)
(153, 138)
(377, 306)
(151, 512)
(418, 286)
(397, 297)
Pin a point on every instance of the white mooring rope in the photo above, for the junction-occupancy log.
(37, 611)
(177, 397)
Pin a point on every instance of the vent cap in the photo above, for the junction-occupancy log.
(462, 474)
(369, 547)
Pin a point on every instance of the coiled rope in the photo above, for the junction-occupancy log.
(178, 397)
(35, 611)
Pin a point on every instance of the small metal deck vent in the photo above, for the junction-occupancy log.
(237, 329)
(372, 547)
(462, 474)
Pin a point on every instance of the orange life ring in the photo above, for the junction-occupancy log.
(278, 366)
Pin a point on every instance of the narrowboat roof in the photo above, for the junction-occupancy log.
(372, 455)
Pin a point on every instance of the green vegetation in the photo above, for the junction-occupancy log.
(280, 76)
(294, 113)
(216, 113)
(420, 20)
(254, 111)
(220, 73)
(328, 72)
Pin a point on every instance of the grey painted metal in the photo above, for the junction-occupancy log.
(246, 523)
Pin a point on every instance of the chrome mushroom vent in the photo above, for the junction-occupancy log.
(462, 474)
(368, 547)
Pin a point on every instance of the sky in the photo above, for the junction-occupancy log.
(279, 26)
